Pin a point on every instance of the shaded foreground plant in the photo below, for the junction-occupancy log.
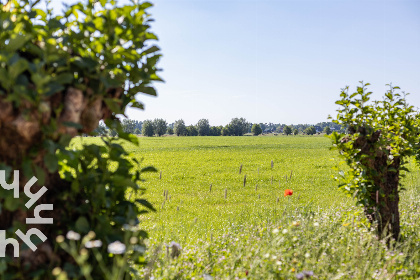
(60, 75)
(380, 138)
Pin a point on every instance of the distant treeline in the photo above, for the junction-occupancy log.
(236, 127)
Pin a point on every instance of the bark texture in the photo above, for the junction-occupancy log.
(22, 131)
(386, 180)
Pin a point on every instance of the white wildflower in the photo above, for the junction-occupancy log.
(71, 235)
(93, 244)
(116, 248)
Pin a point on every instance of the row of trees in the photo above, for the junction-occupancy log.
(237, 127)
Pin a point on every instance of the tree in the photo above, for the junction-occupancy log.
(179, 128)
(59, 76)
(310, 130)
(239, 126)
(128, 125)
(256, 129)
(203, 127)
(147, 129)
(287, 130)
(382, 136)
(170, 130)
(226, 130)
(216, 130)
(159, 126)
(327, 130)
(192, 130)
(295, 131)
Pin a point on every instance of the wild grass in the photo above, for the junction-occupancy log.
(256, 232)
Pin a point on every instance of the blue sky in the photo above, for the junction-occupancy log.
(278, 61)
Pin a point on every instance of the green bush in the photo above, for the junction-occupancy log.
(60, 75)
(382, 136)
(256, 129)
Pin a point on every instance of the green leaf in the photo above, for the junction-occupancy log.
(17, 68)
(152, 49)
(113, 104)
(10, 203)
(82, 225)
(17, 41)
(51, 162)
(147, 90)
(64, 78)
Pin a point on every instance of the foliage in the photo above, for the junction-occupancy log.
(192, 131)
(287, 130)
(310, 130)
(203, 127)
(170, 130)
(256, 129)
(105, 209)
(159, 126)
(179, 128)
(147, 129)
(327, 130)
(216, 130)
(226, 130)
(238, 126)
(295, 131)
(59, 76)
(129, 126)
(383, 135)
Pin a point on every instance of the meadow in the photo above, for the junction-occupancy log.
(221, 200)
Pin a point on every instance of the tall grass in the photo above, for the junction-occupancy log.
(238, 231)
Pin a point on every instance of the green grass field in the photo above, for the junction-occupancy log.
(256, 232)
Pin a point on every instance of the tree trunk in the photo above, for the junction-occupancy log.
(21, 137)
(386, 181)
(389, 215)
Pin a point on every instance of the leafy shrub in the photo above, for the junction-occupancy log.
(382, 136)
(60, 75)
(256, 129)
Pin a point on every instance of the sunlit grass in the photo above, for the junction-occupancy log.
(229, 238)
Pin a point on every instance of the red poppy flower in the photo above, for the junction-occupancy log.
(288, 192)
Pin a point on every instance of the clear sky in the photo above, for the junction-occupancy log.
(278, 61)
